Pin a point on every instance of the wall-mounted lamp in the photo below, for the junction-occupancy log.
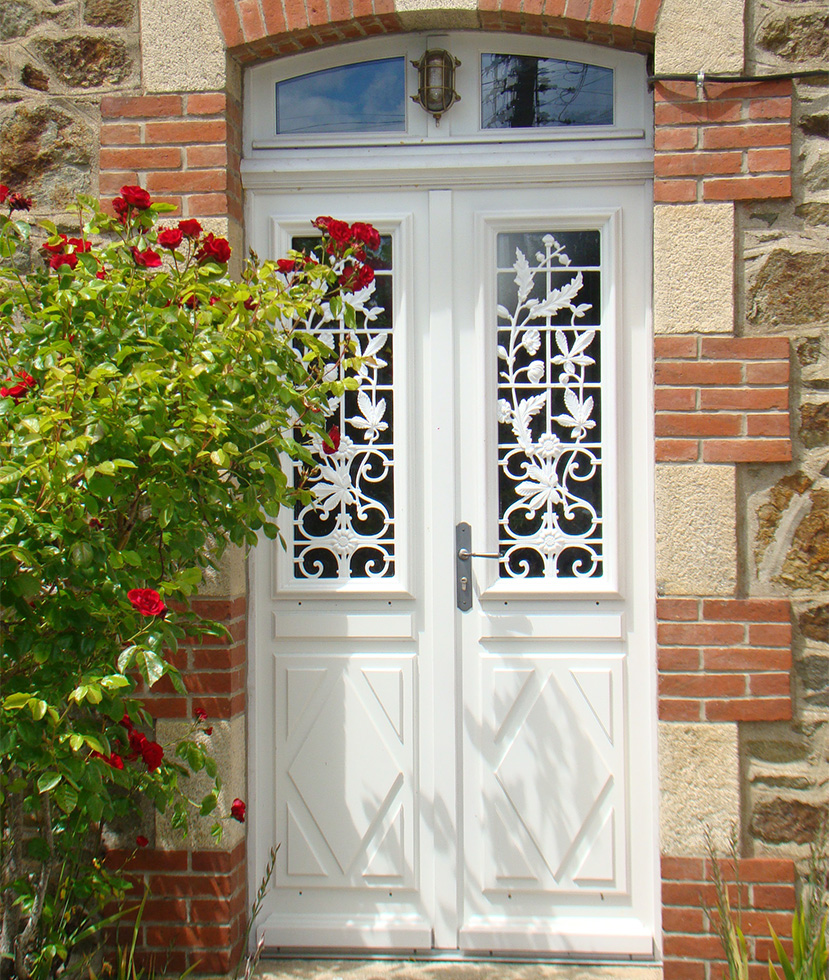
(436, 82)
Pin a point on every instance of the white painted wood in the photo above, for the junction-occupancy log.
(478, 781)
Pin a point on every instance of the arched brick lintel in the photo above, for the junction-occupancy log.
(258, 29)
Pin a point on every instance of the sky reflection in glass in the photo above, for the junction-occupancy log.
(521, 91)
(368, 97)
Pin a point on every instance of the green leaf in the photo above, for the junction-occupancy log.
(13, 701)
(48, 781)
(66, 797)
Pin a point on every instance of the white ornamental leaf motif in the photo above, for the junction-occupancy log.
(504, 410)
(559, 299)
(374, 346)
(522, 416)
(571, 356)
(531, 341)
(504, 312)
(579, 418)
(541, 488)
(535, 372)
(502, 352)
(523, 276)
(372, 416)
(334, 487)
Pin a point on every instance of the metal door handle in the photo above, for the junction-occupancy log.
(465, 555)
(463, 566)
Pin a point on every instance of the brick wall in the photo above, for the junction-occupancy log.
(722, 399)
(724, 659)
(692, 948)
(733, 144)
(195, 911)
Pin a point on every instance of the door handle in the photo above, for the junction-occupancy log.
(463, 565)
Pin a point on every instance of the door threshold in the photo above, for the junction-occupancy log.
(457, 969)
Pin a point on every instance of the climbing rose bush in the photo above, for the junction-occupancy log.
(148, 401)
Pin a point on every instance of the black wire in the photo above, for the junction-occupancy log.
(705, 77)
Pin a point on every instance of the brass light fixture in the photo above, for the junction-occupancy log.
(436, 82)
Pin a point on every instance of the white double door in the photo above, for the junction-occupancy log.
(478, 778)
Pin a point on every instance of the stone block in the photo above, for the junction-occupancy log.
(86, 60)
(17, 18)
(418, 15)
(182, 49)
(798, 37)
(705, 35)
(783, 274)
(694, 268)
(696, 530)
(229, 580)
(227, 746)
(699, 786)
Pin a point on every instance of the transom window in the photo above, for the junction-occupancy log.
(509, 89)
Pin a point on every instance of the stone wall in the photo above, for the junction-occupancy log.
(57, 59)
(783, 288)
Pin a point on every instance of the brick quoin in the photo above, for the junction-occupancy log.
(729, 141)
(722, 399)
(691, 946)
(724, 659)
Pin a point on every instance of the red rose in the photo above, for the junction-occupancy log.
(147, 601)
(80, 245)
(365, 275)
(250, 303)
(237, 810)
(287, 266)
(214, 249)
(367, 234)
(126, 721)
(17, 202)
(148, 259)
(4, 193)
(69, 259)
(201, 714)
(152, 754)
(116, 761)
(208, 731)
(137, 742)
(141, 840)
(136, 197)
(121, 209)
(170, 237)
(55, 249)
(101, 274)
(17, 389)
(355, 277)
(334, 436)
(190, 228)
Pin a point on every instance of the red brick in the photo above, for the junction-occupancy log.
(200, 205)
(749, 90)
(766, 685)
(207, 156)
(744, 348)
(672, 114)
(118, 134)
(700, 634)
(756, 399)
(674, 191)
(762, 161)
(646, 14)
(702, 947)
(770, 108)
(275, 19)
(776, 372)
(746, 658)
(251, 19)
(140, 157)
(675, 399)
(697, 373)
(682, 869)
(623, 12)
(671, 91)
(678, 658)
(766, 634)
(139, 106)
(600, 11)
(678, 138)
(743, 136)
(744, 709)
(769, 424)
(697, 424)
(685, 610)
(756, 610)
(677, 709)
(682, 920)
(702, 685)
(747, 451)
(111, 183)
(676, 450)
(152, 860)
(697, 164)
(164, 707)
(765, 869)
(746, 188)
(683, 970)
(229, 22)
(187, 131)
(194, 937)
(206, 104)
(675, 347)
(772, 896)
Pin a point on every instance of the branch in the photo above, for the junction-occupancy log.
(27, 937)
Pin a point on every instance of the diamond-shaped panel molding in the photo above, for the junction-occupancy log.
(552, 774)
(344, 772)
